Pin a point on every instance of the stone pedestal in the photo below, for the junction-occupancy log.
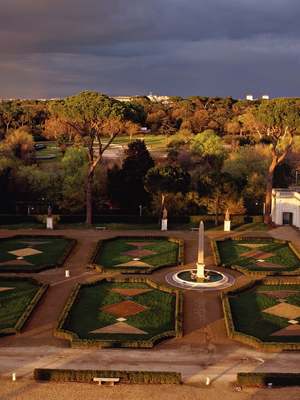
(164, 224)
(49, 223)
(200, 271)
(227, 226)
(67, 273)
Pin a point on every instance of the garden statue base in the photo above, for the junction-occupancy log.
(164, 224)
(227, 226)
(49, 223)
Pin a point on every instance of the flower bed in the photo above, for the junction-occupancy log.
(257, 257)
(265, 314)
(122, 313)
(34, 253)
(134, 255)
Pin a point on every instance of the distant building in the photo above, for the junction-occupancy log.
(286, 206)
(249, 97)
(265, 97)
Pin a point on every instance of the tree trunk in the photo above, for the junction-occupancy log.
(89, 198)
(217, 212)
(269, 187)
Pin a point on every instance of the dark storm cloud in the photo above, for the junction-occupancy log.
(211, 47)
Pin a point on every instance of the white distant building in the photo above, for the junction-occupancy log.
(265, 97)
(286, 206)
(249, 97)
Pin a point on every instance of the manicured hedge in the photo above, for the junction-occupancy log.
(75, 341)
(100, 268)
(133, 377)
(29, 309)
(27, 268)
(262, 379)
(251, 340)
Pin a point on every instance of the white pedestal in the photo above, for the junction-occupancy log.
(49, 223)
(200, 271)
(227, 225)
(67, 273)
(164, 224)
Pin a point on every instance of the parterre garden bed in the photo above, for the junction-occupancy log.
(121, 313)
(257, 256)
(265, 314)
(33, 253)
(137, 254)
(18, 297)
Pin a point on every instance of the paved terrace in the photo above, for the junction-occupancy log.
(204, 350)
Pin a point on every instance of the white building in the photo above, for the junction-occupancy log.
(265, 97)
(286, 206)
(249, 97)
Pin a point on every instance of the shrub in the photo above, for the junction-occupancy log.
(134, 377)
(262, 379)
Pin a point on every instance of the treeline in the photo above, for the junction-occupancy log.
(221, 154)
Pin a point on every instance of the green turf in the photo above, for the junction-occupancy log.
(247, 307)
(14, 302)
(86, 315)
(51, 252)
(230, 254)
(111, 252)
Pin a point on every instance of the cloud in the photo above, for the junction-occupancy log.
(54, 48)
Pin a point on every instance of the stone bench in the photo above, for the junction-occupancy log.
(101, 228)
(109, 381)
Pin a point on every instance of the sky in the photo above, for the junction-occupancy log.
(56, 48)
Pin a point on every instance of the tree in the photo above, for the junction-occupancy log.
(126, 185)
(8, 114)
(248, 166)
(278, 121)
(19, 144)
(167, 179)
(208, 144)
(91, 116)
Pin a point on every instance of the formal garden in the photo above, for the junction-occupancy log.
(265, 314)
(137, 254)
(18, 298)
(121, 313)
(257, 256)
(33, 253)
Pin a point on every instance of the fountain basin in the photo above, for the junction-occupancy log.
(213, 278)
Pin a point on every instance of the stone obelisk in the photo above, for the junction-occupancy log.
(200, 261)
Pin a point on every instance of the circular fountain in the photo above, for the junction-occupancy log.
(200, 278)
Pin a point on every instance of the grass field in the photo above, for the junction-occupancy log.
(14, 302)
(231, 253)
(249, 317)
(112, 252)
(37, 253)
(86, 314)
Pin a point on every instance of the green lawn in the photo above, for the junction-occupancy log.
(53, 251)
(13, 303)
(86, 314)
(248, 316)
(230, 254)
(111, 253)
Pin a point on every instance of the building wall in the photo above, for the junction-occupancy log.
(285, 202)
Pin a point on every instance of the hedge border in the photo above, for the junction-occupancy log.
(133, 377)
(253, 341)
(42, 267)
(148, 271)
(245, 270)
(263, 379)
(75, 341)
(29, 309)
